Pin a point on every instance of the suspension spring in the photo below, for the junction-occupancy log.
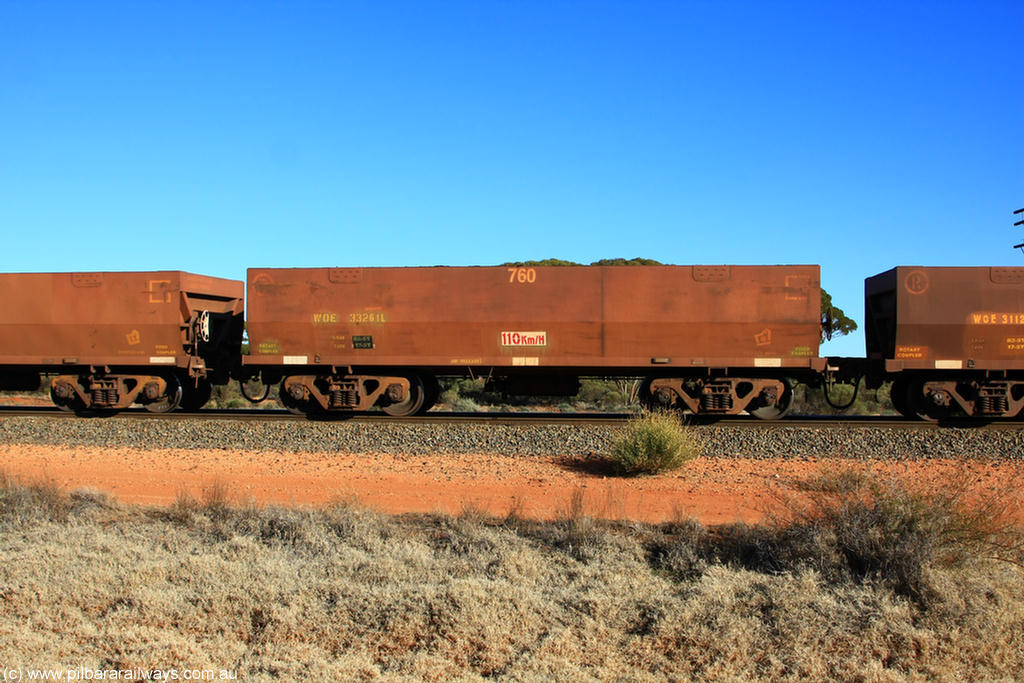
(343, 397)
(104, 397)
(992, 404)
(716, 402)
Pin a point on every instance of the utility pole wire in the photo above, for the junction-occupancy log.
(1019, 212)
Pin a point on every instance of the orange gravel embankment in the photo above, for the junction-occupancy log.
(713, 490)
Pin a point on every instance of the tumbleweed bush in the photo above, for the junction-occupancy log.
(653, 442)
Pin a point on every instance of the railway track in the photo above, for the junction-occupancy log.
(517, 418)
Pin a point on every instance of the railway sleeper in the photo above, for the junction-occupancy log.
(765, 398)
(104, 392)
(396, 395)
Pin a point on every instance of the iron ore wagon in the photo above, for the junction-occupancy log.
(951, 339)
(710, 339)
(160, 338)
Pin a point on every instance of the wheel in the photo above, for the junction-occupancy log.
(412, 403)
(170, 400)
(294, 405)
(922, 406)
(643, 394)
(195, 395)
(431, 392)
(899, 395)
(69, 403)
(779, 408)
(664, 400)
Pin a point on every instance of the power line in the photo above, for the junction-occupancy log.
(1019, 212)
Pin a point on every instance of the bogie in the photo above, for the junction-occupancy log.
(107, 393)
(398, 396)
(764, 398)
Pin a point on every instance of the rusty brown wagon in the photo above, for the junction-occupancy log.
(715, 340)
(113, 339)
(951, 339)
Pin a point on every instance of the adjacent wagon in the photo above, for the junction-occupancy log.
(109, 340)
(951, 339)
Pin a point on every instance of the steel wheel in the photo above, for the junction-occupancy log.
(293, 405)
(195, 396)
(924, 408)
(412, 403)
(667, 401)
(644, 396)
(67, 404)
(899, 395)
(779, 408)
(170, 400)
(431, 392)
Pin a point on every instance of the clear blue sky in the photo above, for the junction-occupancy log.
(212, 136)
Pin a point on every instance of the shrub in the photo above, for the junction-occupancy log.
(653, 442)
(606, 394)
(856, 524)
(811, 401)
(42, 499)
(466, 395)
(681, 549)
(464, 405)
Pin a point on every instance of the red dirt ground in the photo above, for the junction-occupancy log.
(712, 490)
(25, 401)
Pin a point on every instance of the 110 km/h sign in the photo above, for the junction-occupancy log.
(524, 338)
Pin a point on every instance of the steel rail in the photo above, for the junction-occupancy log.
(520, 418)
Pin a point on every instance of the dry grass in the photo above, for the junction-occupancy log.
(345, 593)
(894, 530)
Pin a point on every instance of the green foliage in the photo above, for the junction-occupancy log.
(600, 394)
(834, 322)
(465, 395)
(542, 262)
(465, 405)
(609, 395)
(811, 401)
(229, 396)
(653, 442)
(226, 396)
(638, 261)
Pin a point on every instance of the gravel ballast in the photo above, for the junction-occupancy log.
(776, 441)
